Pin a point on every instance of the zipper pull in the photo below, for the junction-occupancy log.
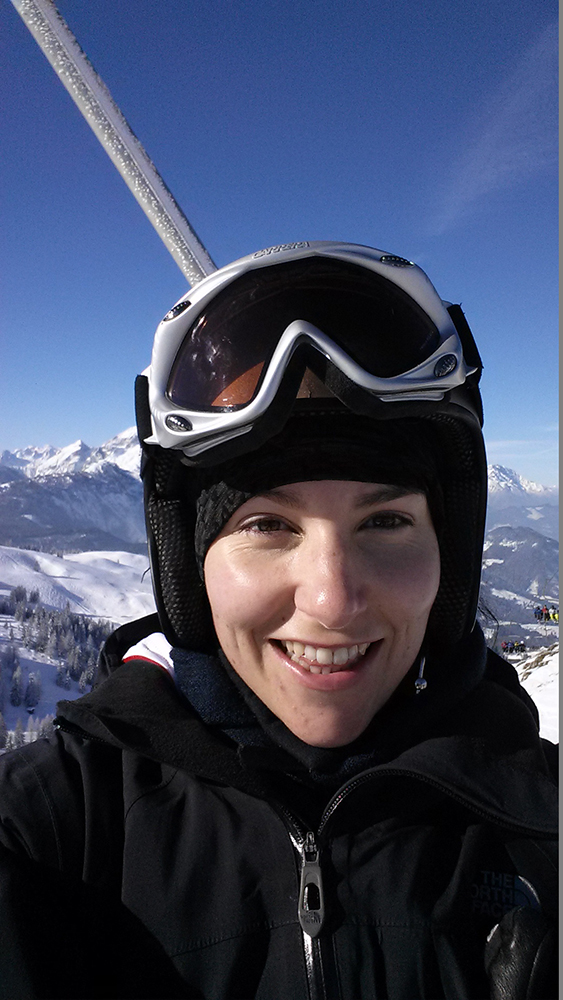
(311, 896)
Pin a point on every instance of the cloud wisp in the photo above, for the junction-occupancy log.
(513, 136)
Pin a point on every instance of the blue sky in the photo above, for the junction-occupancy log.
(425, 130)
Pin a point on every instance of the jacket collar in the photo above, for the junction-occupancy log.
(475, 737)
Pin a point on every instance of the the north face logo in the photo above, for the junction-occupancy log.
(495, 893)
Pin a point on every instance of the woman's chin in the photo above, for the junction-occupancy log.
(328, 734)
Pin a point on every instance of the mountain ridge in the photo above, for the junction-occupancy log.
(123, 450)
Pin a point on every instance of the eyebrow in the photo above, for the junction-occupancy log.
(384, 494)
(381, 494)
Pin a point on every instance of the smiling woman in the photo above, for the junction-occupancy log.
(320, 596)
(306, 776)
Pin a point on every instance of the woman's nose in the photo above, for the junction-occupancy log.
(330, 586)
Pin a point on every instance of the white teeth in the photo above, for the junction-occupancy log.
(320, 658)
(340, 656)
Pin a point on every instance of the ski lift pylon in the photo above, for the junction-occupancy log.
(94, 100)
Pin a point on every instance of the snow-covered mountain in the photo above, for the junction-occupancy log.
(506, 484)
(517, 502)
(35, 463)
(524, 560)
(73, 512)
(520, 572)
(74, 498)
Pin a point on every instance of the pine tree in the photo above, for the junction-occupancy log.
(9, 659)
(46, 728)
(19, 738)
(33, 690)
(20, 612)
(52, 646)
(73, 662)
(31, 730)
(16, 689)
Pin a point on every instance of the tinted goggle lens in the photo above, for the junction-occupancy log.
(227, 350)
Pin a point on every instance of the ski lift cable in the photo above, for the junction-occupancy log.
(95, 102)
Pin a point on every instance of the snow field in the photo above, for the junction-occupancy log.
(539, 675)
(112, 585)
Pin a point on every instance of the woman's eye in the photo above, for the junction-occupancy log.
(387, 520)
(265, 525)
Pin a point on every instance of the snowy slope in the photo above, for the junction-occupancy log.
(111, 585)
(539, 675)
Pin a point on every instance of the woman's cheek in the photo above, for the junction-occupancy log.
(411, 575)
(241, 591)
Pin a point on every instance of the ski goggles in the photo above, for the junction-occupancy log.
(223, 368)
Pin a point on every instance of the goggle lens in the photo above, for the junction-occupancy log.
(224, 354)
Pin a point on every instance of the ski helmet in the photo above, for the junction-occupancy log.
(381, 359)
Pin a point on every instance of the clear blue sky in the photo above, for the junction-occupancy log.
(428, 130)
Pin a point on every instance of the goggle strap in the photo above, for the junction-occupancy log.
(470, 351)
(142, 408)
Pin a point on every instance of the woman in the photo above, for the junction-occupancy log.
(305, 776)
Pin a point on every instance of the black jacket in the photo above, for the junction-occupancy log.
(145, 855)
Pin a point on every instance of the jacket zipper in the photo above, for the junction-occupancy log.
(310, 907)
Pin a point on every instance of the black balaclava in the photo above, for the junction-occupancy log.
(332, 446)
(338, 446)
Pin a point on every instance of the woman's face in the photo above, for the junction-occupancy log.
(320, 594)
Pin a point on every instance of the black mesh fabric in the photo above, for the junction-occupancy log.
(171, 490)
(180, 594)
(461, 544)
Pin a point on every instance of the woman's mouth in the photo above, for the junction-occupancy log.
(321, 659)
